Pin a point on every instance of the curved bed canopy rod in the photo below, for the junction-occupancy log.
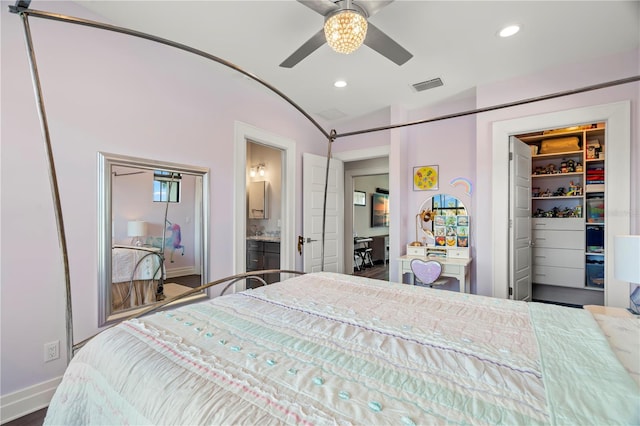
(22, 9)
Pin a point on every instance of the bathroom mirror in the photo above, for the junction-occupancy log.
(153, 228)
(258, 200)
(446, 222)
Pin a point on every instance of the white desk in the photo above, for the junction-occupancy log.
(455, 268)
(362, 240)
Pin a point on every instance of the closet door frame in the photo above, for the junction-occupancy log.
(617, 186)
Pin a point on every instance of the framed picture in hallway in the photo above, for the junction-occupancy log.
(379, 210)
(359, 198)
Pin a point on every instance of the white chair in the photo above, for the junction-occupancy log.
(427, 272)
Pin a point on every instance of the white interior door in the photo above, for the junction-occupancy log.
(519, 220)
(313, 183)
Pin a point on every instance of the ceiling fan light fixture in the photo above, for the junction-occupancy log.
(345, 30)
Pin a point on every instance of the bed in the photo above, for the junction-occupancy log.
(326, 348)
(136, 274)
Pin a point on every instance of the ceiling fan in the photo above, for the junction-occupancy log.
(374, 38)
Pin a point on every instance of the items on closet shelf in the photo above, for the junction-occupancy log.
(595, 175)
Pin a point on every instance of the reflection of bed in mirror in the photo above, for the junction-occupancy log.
(137, 275)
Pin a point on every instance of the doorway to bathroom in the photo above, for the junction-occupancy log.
(264, 224)
(264, 210)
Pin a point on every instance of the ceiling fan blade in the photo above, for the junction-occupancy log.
(384, 45)
(372, 7)
(305, 50)
(323, 7)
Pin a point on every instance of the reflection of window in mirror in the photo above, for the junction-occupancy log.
(166, 185)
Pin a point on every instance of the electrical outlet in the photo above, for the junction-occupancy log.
(51, 351)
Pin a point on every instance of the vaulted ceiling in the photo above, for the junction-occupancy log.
(455, 41)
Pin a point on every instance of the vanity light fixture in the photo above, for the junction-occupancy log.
(509, 30)
(256, 170)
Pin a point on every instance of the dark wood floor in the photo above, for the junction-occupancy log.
(379, 272)
(34, 419)
(192, 281)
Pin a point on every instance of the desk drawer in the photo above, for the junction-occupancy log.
(567, 258)
(416, 250)
(558, 239)
(458, 253)
(451, 269)
(565, 277)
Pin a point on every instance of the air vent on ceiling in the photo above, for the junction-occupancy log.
(429, 84)
(332, 114)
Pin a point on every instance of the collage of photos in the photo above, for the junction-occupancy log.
(451, 231)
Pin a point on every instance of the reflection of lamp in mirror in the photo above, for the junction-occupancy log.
(424, 216)
(626, 252)
(136, 229)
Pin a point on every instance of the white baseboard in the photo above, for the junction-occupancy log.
(179, 272)
(28, 400)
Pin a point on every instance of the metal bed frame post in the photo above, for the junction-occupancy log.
(55, 193)
(332, 137)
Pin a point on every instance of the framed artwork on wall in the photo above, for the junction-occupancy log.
(425, 178)
(379, 210)
(359, 198)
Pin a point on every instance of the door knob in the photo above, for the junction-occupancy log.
(301, 241)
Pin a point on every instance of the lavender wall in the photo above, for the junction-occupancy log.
(105, 92)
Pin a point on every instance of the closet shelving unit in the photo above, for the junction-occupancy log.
(567, 201)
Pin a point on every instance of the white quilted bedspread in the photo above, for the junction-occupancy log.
(333, 349)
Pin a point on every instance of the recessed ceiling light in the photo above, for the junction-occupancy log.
(340, 83)
(509, 31)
